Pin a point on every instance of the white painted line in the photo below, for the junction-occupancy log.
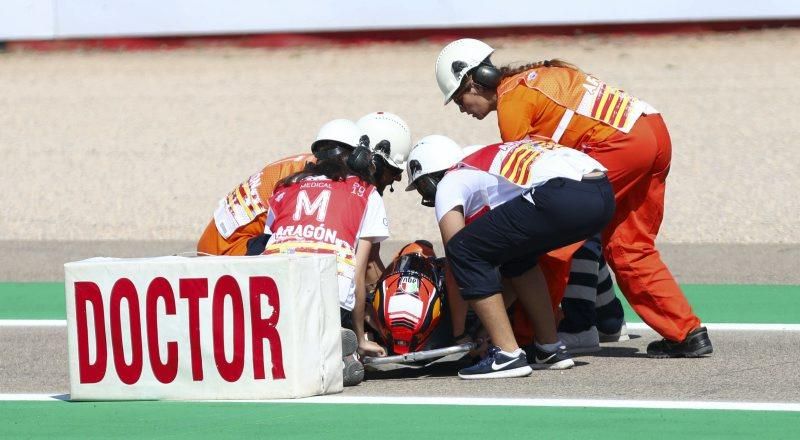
(469, 401)
(33, 397)
(33, 322)
(732, 327)
(574, 403)
(631, 325)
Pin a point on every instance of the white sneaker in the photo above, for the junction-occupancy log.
(587, 341)
(620, 336)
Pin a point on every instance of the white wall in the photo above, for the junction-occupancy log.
(44, 19)
(27, 19)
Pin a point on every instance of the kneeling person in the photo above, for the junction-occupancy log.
(502, 207)
(333, 207)
(237, 226)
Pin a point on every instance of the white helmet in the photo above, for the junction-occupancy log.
(455, 60)
(380, 126)
(431, 154)
(343, 131)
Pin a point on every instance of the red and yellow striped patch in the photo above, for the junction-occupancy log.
(241, 196)
(611, 106)
(516, 166)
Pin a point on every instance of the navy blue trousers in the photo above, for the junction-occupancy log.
(511, 237)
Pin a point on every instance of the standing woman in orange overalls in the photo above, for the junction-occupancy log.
(556, 100)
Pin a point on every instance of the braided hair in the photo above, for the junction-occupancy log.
(509, 70)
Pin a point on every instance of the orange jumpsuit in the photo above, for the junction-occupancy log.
(246, 207)
(629, 138)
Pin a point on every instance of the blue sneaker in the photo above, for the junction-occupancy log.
(549, 360)
(498, 364)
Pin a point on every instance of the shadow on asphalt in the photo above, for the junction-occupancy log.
(447, 369)
(615, 352)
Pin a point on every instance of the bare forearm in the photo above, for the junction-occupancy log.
(458, 307)
(358, 310)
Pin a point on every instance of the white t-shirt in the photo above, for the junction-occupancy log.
(375, 227)
(563, 162)
(478, 190)
(474, 190)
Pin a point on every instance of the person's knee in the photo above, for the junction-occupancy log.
(474, 276)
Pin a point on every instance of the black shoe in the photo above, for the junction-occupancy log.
(696, 344)
(549, 360)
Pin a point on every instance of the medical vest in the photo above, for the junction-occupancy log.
(249, 199)
(531, 162)
(580, 94)
(319, 215)
(508, 169)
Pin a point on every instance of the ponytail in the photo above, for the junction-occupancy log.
(509, 70)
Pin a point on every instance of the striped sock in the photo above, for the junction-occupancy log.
(609, 312)
(580, 295)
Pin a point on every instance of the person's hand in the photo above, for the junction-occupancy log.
(481, 347)
(370, 348)
(481, 344)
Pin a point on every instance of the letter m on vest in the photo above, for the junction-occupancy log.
(320, 205)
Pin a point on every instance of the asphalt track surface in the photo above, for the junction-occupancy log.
(750, 366)
(747, 389)
(747, 366)
(735, 283)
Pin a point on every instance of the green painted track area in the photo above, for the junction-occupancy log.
(201, 420)
(764, 304)
(32, 301)
(349, 421)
